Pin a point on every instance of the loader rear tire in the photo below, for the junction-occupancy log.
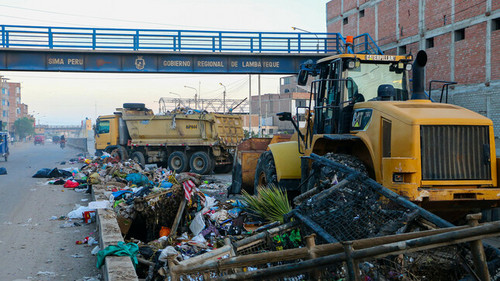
(178, 162)
(265, 172)
(138, 157)
(200, 163)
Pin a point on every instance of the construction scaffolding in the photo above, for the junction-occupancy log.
(210, 105)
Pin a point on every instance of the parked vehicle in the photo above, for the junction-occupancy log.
(4, 145)
(200, 142)
(438, 155)
(39, 139)
(56, 139)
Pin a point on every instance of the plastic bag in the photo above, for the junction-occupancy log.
(78, 213)
(3, 171)
(168, 251)
(138, 179)
(197, 225)
(71, 184)
(42, 173)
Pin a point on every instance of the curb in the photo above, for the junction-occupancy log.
(115, 268)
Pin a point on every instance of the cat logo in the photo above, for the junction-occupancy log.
(140, 63)
(191, 126)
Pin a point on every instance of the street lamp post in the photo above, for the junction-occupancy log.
(307, 31)
(223, 99)
(195, 96)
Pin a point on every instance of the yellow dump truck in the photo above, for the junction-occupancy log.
(199, 142)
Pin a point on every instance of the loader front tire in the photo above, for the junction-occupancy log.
(265, 172)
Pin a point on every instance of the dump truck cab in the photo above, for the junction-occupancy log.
(440, 156)
(106, 132)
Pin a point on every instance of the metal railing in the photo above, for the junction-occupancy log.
(44, 37)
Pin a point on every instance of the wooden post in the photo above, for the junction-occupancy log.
(352, 267)
(477, 250)
(311, 247)
(174, 276)
(178, 217)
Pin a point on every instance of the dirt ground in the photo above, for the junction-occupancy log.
(33, 245)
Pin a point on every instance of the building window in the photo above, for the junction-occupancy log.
(18, 90)
(495, 24)
(18, 110)
(362, 13)
(3, 91)
(301, 102)
(459, 34)
(429, 43)
(346, 20)
(402, 50)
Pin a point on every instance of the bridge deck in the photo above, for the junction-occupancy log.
(42, 48)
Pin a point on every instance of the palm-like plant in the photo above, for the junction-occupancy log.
(270, 203)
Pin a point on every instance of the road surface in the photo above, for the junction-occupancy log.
(32, 246)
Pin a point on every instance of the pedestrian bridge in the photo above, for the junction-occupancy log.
(74, 49)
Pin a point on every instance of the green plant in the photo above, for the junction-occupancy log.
(270, 203)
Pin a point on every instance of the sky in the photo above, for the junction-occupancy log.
(67, 98)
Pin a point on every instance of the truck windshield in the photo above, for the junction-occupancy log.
(102, 127)
(368, 76)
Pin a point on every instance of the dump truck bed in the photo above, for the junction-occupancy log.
(191, 129)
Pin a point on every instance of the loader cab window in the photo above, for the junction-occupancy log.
(368, 76)
(102, 127)
(328, 96)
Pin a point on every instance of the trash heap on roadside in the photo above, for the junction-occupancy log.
(158, 209)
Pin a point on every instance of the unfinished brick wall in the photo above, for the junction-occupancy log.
(495, 58)
(465, 9)
(470, 56)
(437, 13)
(366, 23)
(468, 59)
(386, 22)
(408, 18)
(438, 58)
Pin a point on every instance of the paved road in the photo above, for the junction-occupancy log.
(32, 246)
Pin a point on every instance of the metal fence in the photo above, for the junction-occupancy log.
(15, 36)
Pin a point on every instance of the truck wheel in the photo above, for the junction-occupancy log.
(138, 157)
(178, 162)
(121, 152)
(265, 173)
(200, 163)
(138, 106)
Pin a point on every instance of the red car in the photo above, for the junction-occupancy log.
(39, 139)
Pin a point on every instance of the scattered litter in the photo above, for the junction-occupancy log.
(77, 256)
(3, 171)
(46, 273)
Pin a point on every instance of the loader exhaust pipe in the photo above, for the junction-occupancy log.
(418, 76)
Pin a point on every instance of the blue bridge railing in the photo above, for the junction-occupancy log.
(43, 37)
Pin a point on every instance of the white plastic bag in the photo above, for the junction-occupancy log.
(197, 225)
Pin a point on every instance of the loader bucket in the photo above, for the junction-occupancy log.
(246, 156)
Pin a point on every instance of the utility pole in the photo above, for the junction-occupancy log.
(260, 108)
(223, 99)
(250, 107)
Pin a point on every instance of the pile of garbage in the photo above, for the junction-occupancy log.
(157, 209)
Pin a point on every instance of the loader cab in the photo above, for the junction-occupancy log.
(347, 79)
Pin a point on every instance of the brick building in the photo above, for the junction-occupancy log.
(461, 38)
(4, 103)
(14, 99)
